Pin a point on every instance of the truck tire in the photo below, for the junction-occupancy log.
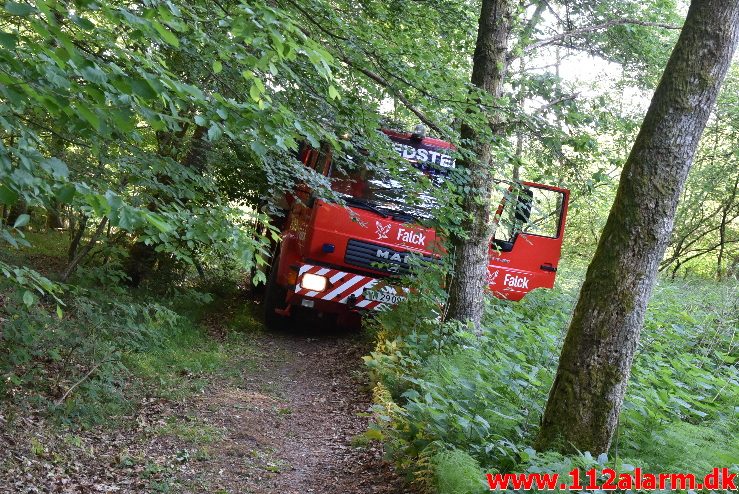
(274, 298)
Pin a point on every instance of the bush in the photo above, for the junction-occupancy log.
(456, 472)
(483, 395)
(71, 362)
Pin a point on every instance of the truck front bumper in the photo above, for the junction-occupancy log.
(343, 291)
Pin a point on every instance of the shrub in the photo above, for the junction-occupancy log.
(483, 394)
(456, 472)
(71, 362)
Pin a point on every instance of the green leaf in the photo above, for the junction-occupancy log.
(124, 120)
(66, 193)
(374, 435)
(166, 34)
(28, 298)
(89, 115)
(158, 222)
(8, 40)
(57, 167)
(332, 92)
(258, 148)
(82, 22)
(9, 238)
(255, 93)
(7, 195)
(128, 218)
(21, 221)
(21, 9)
(98, 203)
(217, 67)
(114, 200)
(94, 74)
(59, 312)
(214, 132)
(142, 88)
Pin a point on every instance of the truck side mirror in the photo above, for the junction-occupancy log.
(523, 206)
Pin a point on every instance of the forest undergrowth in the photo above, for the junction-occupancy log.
(91, 355)
(454, 403)
(451, 403)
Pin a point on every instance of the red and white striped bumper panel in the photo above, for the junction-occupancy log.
(341, 286)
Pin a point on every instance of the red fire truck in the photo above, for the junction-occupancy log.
(341, 259)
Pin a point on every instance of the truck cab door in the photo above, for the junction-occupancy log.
(527, 242)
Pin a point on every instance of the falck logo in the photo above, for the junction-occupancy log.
(382, 230)
(492, 277)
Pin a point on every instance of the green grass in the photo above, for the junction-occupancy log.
(456, 472)
(246, 319)
(190, 360)
(195, 432)
(169, 344)
(685, 447)
(169, 339)
(52, 244)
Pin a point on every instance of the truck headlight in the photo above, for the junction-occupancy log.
(314, 282)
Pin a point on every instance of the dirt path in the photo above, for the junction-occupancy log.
(290, 427)
(285, 419)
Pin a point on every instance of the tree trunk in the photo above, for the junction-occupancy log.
(74, 262)
(17, 209)
(467, 287)
(76, 237)
(678, 263)
(722, 230)
(595, 364)
(142, 257)
(53, 217)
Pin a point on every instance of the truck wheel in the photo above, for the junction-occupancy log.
(274, 298)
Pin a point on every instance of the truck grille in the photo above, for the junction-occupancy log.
(381, 258)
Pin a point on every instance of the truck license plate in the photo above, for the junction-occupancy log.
(378, 296)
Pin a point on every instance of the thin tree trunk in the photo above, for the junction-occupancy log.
(143, 257)
(521, 98)
(53, 218)
(676, 269)
(196, 157)
(595, 364)
(467, 287)
(721, 243)
(85, 250)
(722, 230)
(77, 237)
(58, 149)
(106, 255)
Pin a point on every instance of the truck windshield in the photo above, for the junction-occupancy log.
(385, 191)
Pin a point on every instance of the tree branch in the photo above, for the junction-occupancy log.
(562, 99)
(84, 378)
(85, 250)
(596, 27)
(395, 92)
(366, 72)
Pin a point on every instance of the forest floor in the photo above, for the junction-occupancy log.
(285, 414)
